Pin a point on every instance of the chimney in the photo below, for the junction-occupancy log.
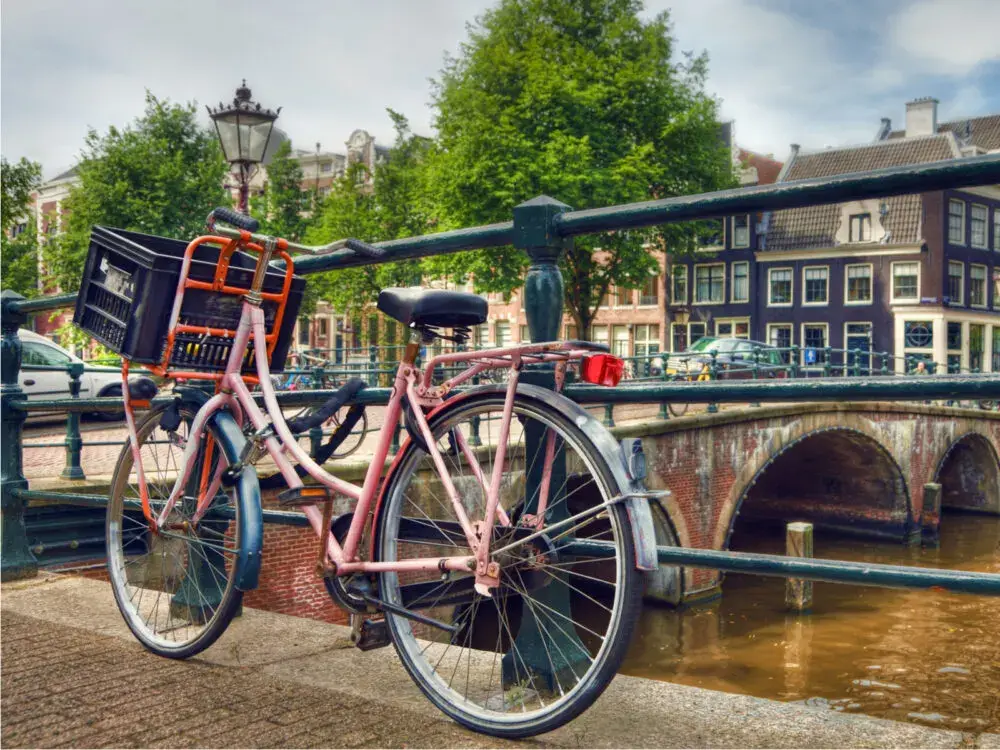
(921, 117)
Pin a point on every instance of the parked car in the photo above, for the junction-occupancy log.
(38, 354)
(734, 359)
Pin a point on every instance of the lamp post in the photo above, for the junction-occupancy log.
(244, 129)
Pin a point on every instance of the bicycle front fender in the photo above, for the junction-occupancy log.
(251, 531)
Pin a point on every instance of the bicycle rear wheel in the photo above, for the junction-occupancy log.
(548, 641)
(175, 588)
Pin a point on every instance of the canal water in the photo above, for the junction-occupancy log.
(920, 656)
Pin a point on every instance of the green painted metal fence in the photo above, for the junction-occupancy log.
(541, 228)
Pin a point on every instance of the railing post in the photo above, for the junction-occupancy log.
(316, 433)
(664, 410)
(756, 370)
(74, 442)
(373, 363)
(713, 374)
(16, 560)
(534, 233)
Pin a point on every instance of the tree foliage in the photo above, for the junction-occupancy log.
(282, 210)
(582, 100)
(160, 175)
(19, 254)
(396, 206)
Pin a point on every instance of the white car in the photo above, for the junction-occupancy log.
(38, 381)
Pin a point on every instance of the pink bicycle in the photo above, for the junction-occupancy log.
(499, 552)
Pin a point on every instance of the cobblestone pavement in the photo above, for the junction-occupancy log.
(64, 687)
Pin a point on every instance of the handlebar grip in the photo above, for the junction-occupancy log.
(363, 248)
(234, 218)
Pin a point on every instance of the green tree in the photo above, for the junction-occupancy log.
(19, 254)
(584, 101)
(396, 206)
(160, 175)
(283, 210)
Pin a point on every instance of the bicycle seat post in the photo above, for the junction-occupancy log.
(253, 296)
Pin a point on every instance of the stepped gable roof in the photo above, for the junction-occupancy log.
(816, 226)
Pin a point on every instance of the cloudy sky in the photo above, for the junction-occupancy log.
(815, 72)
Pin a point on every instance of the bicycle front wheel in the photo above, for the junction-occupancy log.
(550, 637)
(175, 588)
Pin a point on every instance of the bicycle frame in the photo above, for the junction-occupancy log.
(283, 447)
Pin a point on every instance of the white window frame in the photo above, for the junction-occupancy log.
(732, 280)
(687, 284)
(802, 339)
(851, 239)
(733, 235)
(733, 322)
(961, 286)
(986, 227)
(770, 339)
(722, 239)
(996, 230)
(871, 284)
(952, 201)
(893, 299)
(871, 338)
(694, 290)
(615, 304)
(791, 280)
(826, 301)
(638, 294)
(986, 285)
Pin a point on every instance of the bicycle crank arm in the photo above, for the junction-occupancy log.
(408, 614)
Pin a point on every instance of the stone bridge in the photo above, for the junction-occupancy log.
(861, 468)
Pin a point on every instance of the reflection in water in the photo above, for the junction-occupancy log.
(920, 656)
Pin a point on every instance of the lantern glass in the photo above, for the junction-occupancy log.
(244, 135)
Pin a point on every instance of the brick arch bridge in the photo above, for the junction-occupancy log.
(856, 467)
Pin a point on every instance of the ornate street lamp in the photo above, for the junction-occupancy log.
(244, 129)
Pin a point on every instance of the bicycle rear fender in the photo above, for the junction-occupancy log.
(231, 440)
(636, 498)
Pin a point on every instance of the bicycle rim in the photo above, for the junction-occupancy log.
(552, 635)
(174, 588)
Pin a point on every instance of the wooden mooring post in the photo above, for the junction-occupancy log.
(798, 543)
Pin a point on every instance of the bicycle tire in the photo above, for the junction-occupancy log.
(127, 535)
(493, 714)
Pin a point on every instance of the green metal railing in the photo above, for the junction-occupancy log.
(541, 228)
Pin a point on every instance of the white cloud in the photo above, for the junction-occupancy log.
(952, 37)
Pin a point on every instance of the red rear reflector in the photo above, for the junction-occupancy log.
(601, 369)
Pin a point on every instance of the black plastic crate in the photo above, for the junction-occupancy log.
(128, 290)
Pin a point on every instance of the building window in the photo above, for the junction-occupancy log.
(977, 344)
(780, 335)
(905, 282)
(501, 333)
(956, 222)
(736, 329)
(996, 349)
(682, 335)
(861, 228)
(816, 283)
(858, 343)
(977, 286)
(525, 337)
(956, 278)
(977, 226)
(779, 286)
(321, 328)
(679, 292)
(996, 231)
(619, 341)
(647, 340)
(373, 330)
(327, 166)
(390, 333)
(741, 282)
(814, 341)
(710, 282)
(570, 332)
(623, 297)
(918, 334)
(859, 284)
(650, 292)
(741, 231)
(599, 335)
(711, 234)
(304, 331)
(954, 347)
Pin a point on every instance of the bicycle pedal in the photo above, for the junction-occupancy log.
(297, 496)
(373, 634)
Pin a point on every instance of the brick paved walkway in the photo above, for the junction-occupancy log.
(63, 687)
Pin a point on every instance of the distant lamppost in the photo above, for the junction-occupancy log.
(244, 129)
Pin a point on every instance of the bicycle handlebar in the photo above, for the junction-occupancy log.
(231, 217)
